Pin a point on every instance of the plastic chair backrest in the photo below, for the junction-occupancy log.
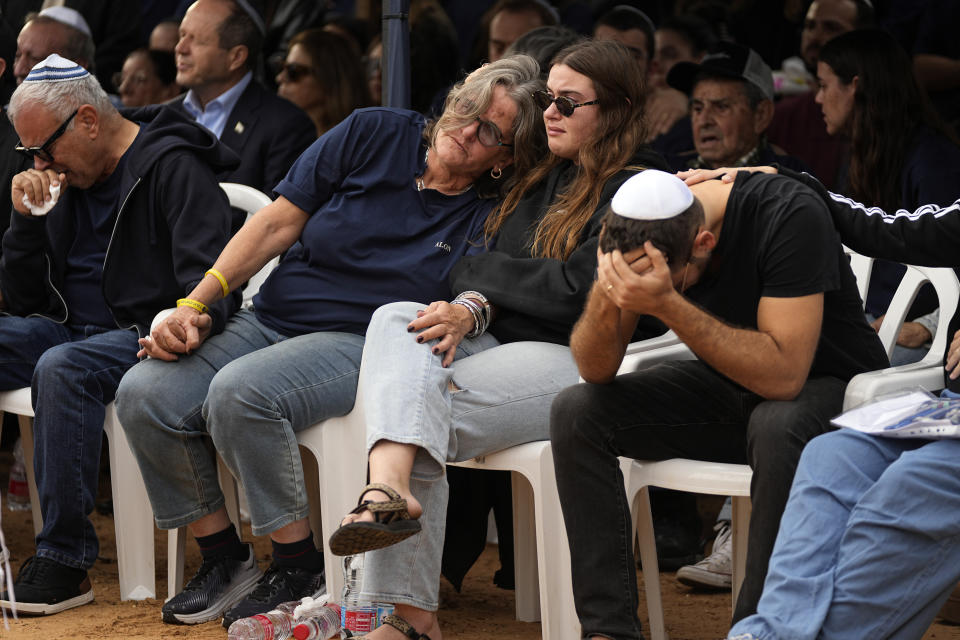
(250, 200)
(947, 286)
(862, 267)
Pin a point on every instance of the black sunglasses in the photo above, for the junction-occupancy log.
(43, 151)
(295, 71)
(564, 104)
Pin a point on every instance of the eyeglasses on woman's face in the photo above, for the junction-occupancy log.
(565, 105)
(43, 151)
(295, 71)
(488, 134)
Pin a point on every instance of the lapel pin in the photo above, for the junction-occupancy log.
(238, 127)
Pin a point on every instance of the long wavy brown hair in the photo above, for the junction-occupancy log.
(888, 108)
(620, 131)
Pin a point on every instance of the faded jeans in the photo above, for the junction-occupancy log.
(492, 397)
(869, 544)
(73, 373)
(245, 392)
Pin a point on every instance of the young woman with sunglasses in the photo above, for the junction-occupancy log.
(454, 380)
(324, 76)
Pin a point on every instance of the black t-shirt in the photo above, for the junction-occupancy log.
(95, 211)
(778, 241)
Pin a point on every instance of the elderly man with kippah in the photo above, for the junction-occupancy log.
(119, 217)
(751, 276)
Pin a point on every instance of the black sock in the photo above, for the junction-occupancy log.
(301, 554)
(222, 544)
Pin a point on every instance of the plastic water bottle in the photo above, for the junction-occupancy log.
(358, 616)
(320, 625)
(273, 625)
(18, 492)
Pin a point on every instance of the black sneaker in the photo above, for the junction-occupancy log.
(278, 585)
(218, 584)
(44, 587)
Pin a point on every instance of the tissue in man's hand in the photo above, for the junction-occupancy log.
(43, 209)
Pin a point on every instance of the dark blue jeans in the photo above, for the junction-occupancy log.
(674, 410)
(73, 373)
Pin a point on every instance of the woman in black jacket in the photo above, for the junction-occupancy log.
(459, 379)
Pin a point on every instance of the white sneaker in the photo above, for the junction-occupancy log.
(714, 571)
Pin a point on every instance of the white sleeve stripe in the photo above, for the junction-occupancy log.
(927, 209)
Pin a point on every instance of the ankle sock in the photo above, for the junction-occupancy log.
(302, 554)
(225, 543)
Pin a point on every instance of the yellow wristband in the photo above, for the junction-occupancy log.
(223, 281)
(193, 304)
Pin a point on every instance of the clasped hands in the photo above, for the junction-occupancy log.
(638, 281)
(179, 333)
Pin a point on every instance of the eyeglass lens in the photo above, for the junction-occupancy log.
(295, 71)
(43, 151)
(565, 105)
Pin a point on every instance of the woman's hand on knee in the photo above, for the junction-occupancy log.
(445, 322)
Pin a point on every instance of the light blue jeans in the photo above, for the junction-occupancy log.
(246, 392)
(492, 397)
(869, 544)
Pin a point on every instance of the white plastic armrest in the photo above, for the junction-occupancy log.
(647, 358)
(866, 387)
(160, 316)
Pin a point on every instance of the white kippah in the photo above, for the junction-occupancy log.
(55, 69)
(652, 195)
(69, 17)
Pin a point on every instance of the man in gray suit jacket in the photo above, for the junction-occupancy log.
(219, 43)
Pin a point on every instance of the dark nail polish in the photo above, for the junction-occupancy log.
(435, 351)
(420, 339)
(410, 329)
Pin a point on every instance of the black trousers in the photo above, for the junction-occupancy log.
(673, 410)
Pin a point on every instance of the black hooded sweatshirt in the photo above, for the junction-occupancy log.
(171, 222)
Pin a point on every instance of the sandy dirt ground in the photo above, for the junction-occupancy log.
(481, 610)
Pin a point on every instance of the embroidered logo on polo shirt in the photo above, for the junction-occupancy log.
(443, 245)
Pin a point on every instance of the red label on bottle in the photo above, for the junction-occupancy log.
(267, 625)
(360, 619)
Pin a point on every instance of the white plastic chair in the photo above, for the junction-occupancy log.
(733, 479)
(250, 200)
(133, 519)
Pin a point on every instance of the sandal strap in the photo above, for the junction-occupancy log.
(394, 508)
(404, 627)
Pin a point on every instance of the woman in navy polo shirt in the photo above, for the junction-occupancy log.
(379, 209)
(452, 381)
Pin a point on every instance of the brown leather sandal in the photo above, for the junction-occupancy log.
(403, 627)
(392, 523)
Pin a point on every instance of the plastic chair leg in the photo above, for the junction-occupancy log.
(525, 550)
(133, 517)
(740, 528)
(643, 517)
(26, 440)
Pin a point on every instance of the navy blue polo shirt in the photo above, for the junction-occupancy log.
(372, 238)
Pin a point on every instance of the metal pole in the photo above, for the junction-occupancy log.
(396, 54)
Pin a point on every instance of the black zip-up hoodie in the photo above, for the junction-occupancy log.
(171, 223)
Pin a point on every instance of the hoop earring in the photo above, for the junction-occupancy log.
(495, 173)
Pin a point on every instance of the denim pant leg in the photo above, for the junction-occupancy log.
(408, 399)
(835, 471)
(159, 405)
(677, 409)
(776, 435)
(72, 384)
(22, 342)
(257, 403)
(899, 558)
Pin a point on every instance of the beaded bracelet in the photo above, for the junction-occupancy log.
(219, 276)
(193, 304)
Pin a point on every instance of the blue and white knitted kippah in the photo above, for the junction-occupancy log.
(55, 69)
